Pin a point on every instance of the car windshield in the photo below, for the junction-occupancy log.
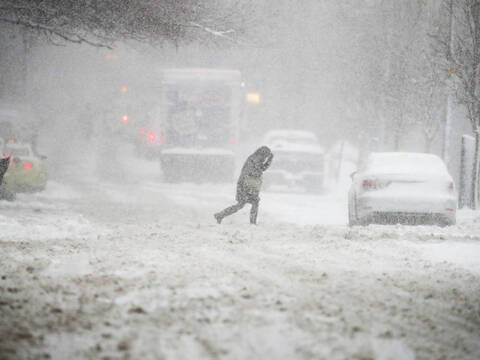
(404, 163)
(294, 162)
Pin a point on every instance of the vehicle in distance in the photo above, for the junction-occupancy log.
(298, 161)
(405, 188)
(27, 172)
(200, 124)
(148, 143)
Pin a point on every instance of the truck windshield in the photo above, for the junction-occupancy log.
(198, 114)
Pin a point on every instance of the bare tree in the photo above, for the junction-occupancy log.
(381, 74)
(430, 96)
(462, 63)
(102, 22)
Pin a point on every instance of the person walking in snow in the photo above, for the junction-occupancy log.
(249, 184)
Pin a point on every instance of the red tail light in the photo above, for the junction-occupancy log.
(368, 184)
(374, 184)
(27, 166)
(152, 136)
(451, 186)
(234, 141)
(142, 130)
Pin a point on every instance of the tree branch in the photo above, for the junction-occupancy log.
(74, 38)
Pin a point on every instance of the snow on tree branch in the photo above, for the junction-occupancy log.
(103, 22)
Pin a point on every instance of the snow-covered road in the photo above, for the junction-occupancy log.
(142, 271)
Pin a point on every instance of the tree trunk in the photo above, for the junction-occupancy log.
(447, 129)
(449, 103)
(474, 185)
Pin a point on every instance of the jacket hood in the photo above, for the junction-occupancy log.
(263, 152)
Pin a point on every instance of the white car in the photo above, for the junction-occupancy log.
(407, 188)
(298, 160)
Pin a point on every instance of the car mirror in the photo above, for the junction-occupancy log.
(352, 175)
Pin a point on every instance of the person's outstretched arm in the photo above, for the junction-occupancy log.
(267, 163)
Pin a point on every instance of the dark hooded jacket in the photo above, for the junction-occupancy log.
(250, 180)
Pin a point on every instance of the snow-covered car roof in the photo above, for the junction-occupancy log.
(284, 146)
(405, 162)
(290, 136)
(287, 140)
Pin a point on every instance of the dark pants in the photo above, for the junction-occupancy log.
(234, 208)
